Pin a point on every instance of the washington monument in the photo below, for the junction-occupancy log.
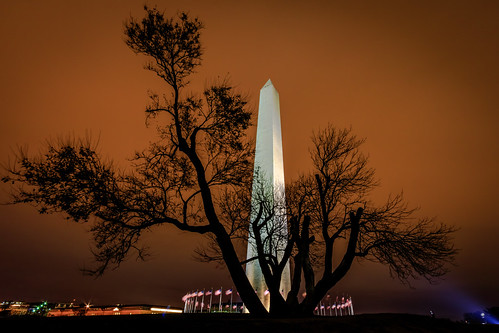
(268, 185)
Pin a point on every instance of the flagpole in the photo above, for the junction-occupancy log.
(196, 302)
(202, 301)
(220, 302)
(231, 301)
(211, 297)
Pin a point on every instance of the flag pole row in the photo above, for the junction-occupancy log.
(336, 308)
(195, 302)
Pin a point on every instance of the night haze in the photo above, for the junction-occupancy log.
(419, 81)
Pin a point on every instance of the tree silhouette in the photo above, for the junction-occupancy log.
(332, 206)
(201, 158)
(197, 176)
(329, 212)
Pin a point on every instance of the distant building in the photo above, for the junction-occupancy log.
(14, 308)
(18, 308)
(111, 310)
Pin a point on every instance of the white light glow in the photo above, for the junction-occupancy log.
(166, 310)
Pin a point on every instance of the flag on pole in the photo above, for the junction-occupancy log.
(266, 292)
(208, 293)
(219, 292)
(229, 292)
(201, 293)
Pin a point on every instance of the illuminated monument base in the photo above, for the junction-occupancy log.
(269, 168)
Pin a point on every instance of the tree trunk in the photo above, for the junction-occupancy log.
(330, 279)
(238, 275)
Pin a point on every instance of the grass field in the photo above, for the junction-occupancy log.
(396, 323)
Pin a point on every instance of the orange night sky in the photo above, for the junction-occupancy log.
(420, 81)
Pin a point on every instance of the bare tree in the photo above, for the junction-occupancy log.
(198, 177)
(184, 179)
(332, 205)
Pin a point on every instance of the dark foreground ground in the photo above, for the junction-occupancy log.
(396, 323)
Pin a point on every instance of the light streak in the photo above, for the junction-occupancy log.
(166, 310)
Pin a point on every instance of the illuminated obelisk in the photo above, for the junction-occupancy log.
(269, 172)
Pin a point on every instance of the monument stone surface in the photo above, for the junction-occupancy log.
(268, 180)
